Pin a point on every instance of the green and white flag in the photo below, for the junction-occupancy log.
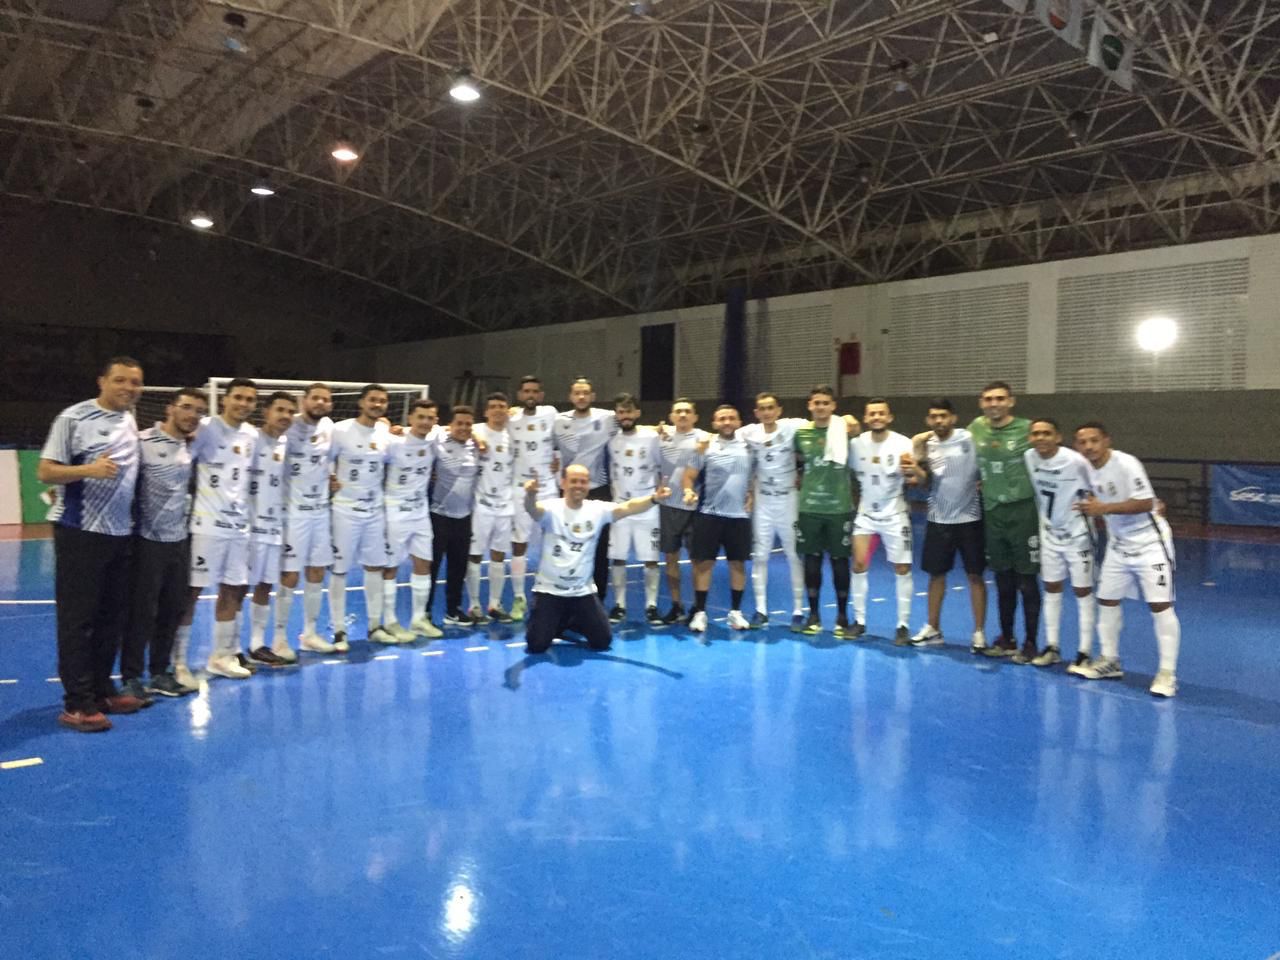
(1065, 18)
(1111, 51)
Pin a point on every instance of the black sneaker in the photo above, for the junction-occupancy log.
(617, 614)
(456, 618)
(674, 615)
(246, 663)
(652, 616)
(136, 689)
(166, 685)
(1026, 654)
(1001, 648)
(812, 626)
(759, 620)
(902, 638)
(855, 631)
(264, 656)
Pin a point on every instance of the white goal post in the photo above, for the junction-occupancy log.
(150, 406)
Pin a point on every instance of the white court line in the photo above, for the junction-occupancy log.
(513, 643)
(18, 764)
(387, 656)
(433, 653)
(332, 662)
(473, 649)
(923, 593)
(8, 681)
(51, 679)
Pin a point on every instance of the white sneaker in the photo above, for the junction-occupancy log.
(1081, 663)
(227, 666)
(1165, 684)
(285, 652)
(382, 635)
(519, 607)
(340, 643)
(422, 627)
(698, 622)
(402, 634)
(978, 642)
(736, 621)
(315, 643)
(182, 673)
(1103, 668)
(927, 636)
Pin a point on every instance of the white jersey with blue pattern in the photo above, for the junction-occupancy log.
(79, 435)
(163, 502)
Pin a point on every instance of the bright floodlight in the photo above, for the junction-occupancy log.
(464, 89)
(344, 153)
(1157, 334)
(262, 190)
(201, 221)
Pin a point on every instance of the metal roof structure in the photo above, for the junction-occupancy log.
(636, 156)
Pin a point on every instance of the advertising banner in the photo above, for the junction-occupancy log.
(1248, 496)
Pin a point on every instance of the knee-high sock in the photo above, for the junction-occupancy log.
(284, 606)
(1052, 610)
(259, 614)
(651, 577)
(813, 580)
(1087, 613)
(619, 574)
(420, 588)
(840, 577)
(373, 599)
(1168, 638)
(797, 583)
(1007, 601)
(858, 583)
(181, 641)
(760, 581)
(312, 598)
(904, 590)
(1029, 587)
(519, 566)
(338, 601)
(1110, 621)
(473, 584)
(498, 581)
(389, 588)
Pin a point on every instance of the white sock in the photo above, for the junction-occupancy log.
(497, 581)
(338, 601)
(259, 614)
(312, 597)
(181, 642)
(420, 587)
(858, 588)
(651, 578)
(760, 582)
(224, 639)
(904, 588)
(389, 588)
(473, 583)
(1110, 621)
(237, 630)
(373, 599)
(519, 566)
(797, 582)
(1051, 615)
(1168, 638)
(619, 574)
(1087, 613)
(284, 606)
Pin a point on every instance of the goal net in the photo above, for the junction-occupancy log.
(346, 394)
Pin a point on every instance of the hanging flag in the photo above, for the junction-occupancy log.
(1065, 18)
(1019, 5)
(1111, 51)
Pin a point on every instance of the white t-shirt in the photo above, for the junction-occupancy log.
(1123, 478)
(1060, 483)
(266, 488)
(409, 463)
(954, 496)
(534, 444)
(878, 467)
(308, 454)
(634, 464)
(495, 484)
(359, 458)
(679, 453)
(222, 455)
(773, 455)
(569, 540)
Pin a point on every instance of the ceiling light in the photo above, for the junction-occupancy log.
(344, 153)
(463, 88)
(262, 189)
(990, 37)
(641, 8)
(201, 221)
(1156, 334)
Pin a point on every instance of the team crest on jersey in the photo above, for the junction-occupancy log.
(875, 459)
(629, 453)
(531, 428)
(768, 443)
(576, 528)
(373, 445)
(236, 451)
(276, 457)
(422, 453)
(1011, 444)
(1111, 489)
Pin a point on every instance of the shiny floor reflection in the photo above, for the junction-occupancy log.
(761, 797)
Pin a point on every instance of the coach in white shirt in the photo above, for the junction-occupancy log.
(564, 594)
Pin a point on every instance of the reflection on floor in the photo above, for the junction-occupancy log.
(760, 796)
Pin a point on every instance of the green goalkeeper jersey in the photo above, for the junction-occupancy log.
(1000, 449)
(824, 486)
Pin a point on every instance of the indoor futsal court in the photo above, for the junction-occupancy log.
(639, 479)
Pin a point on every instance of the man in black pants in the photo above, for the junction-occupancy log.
(92, 454)
(452, 495)
(563, 595)
(582, 436)
(161, 560)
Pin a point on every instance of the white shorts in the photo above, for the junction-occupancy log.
(523, 526)
(1150, 568)
(219, 560)
(409, 538)
(308, 541)
(895, 534)
(360, 540)
(490, 531)
(638, 533)
(1060, 559)
(264, 562)
(773, 516)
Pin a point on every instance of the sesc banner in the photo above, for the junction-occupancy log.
(1248, 496)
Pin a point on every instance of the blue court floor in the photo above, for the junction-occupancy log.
(760, 796)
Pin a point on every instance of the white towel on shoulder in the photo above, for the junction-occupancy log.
(837, 448)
